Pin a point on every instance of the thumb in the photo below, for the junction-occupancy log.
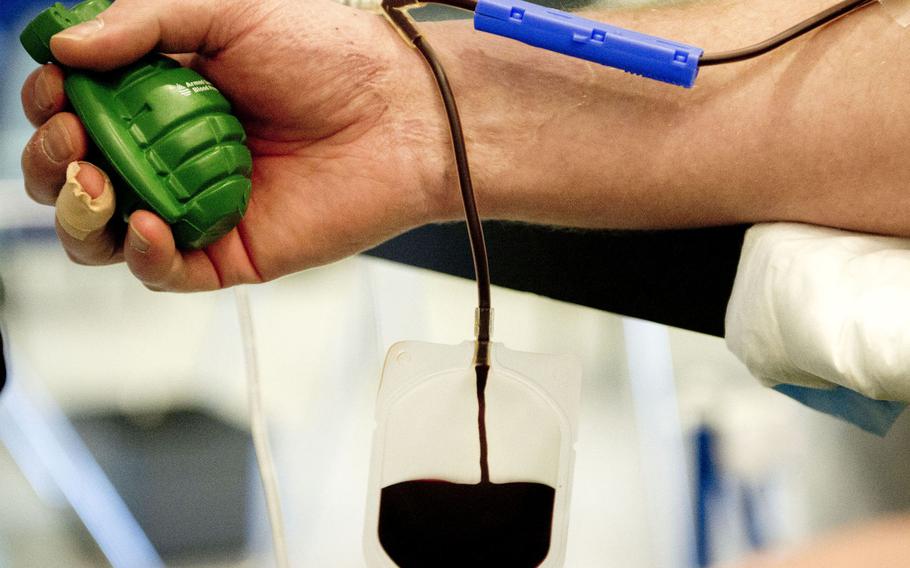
(131, 28)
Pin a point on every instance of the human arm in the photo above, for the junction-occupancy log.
(813, 132)
(551, 139)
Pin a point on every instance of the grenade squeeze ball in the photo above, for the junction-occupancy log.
(166, 133)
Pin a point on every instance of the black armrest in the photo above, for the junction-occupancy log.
(681, 278)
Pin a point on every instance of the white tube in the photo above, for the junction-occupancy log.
(259, 429)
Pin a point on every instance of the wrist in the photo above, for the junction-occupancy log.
(418, 127)
(491, 79)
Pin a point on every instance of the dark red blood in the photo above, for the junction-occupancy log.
(429, 523)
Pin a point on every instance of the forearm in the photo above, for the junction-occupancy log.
(813, 132)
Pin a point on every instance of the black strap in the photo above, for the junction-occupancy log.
(2, 362)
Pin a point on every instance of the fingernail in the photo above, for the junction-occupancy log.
(42, 93)
(83, 30)
(137, 242)
(56, 143)
(91, 179)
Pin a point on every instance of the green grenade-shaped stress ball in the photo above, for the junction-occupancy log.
(168, 135)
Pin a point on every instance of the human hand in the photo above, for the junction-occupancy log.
(349, 147)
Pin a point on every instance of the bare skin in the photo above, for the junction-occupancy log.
(882, 543)
(351, 147)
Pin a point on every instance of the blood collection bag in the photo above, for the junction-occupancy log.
(471, 465)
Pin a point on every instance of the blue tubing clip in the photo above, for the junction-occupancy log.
(640, 54)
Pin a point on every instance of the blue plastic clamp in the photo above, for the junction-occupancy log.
(554, 30)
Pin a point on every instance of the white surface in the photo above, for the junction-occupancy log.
(819, 307)
(20, 212)
(98, 340)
